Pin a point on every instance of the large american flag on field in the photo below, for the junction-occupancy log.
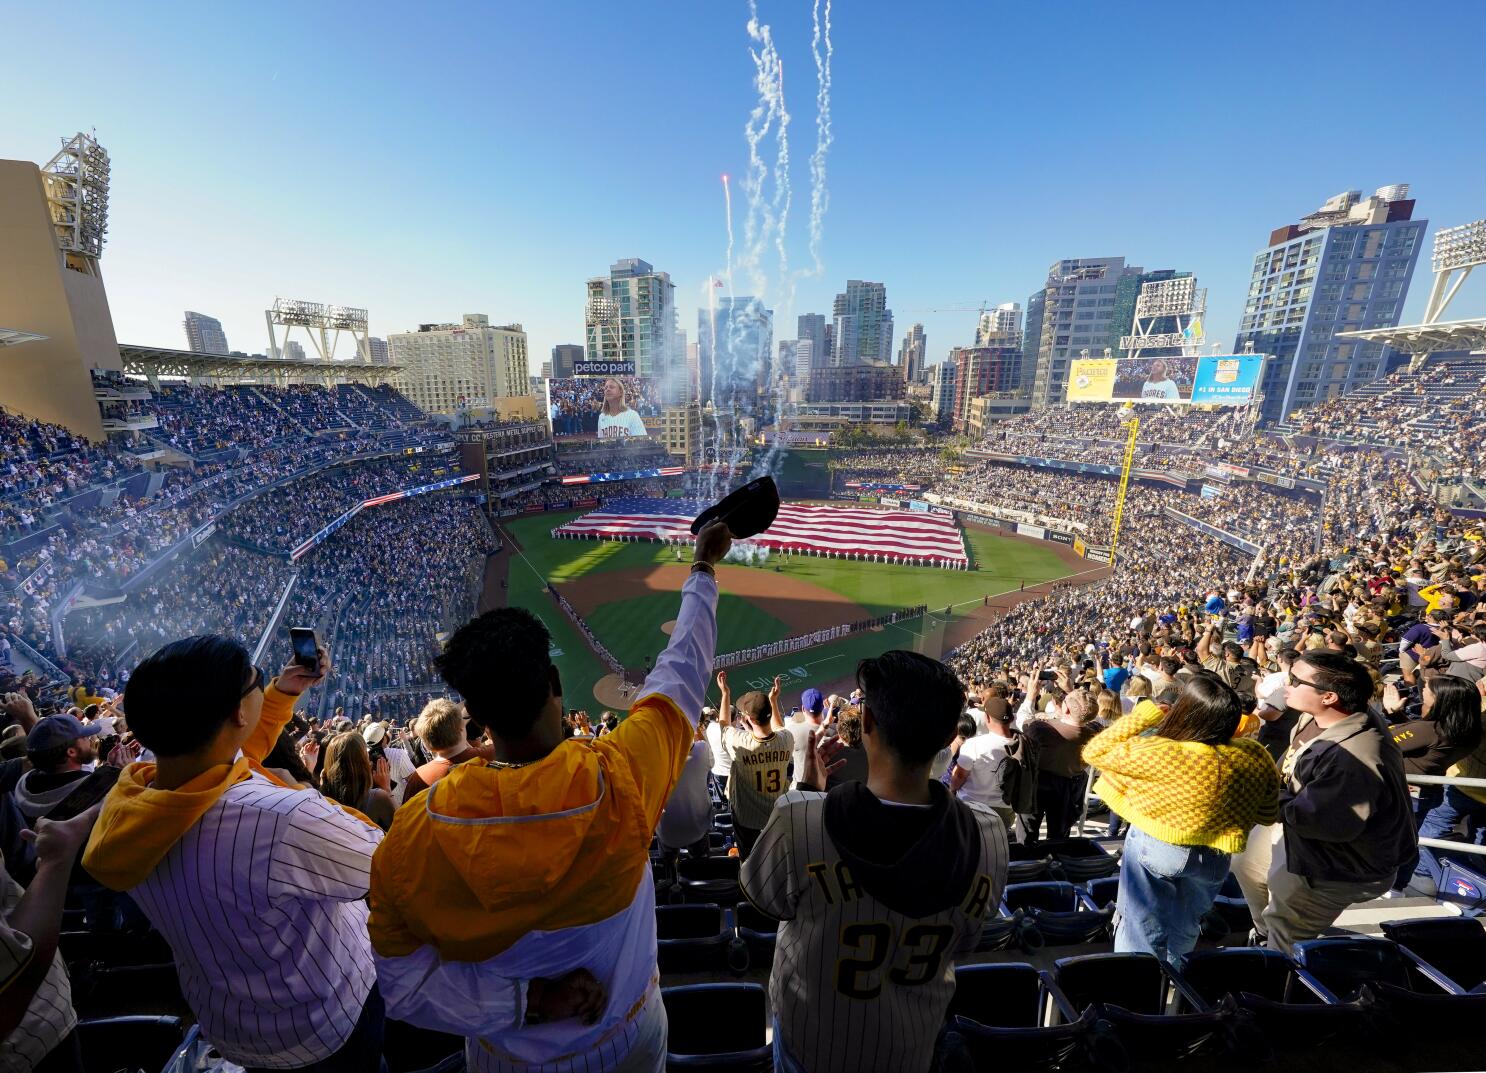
(844, 530)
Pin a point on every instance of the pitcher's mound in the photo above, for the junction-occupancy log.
(614, 692)
(667, 627)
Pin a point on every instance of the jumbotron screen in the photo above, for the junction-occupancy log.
(603, 407)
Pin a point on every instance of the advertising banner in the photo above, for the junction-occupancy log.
(889, 502)
(1080, 548)
(1223, 380)
(1210, 491)
(1060, 538)
(918, 504)
(603, 368)
(1031, 530)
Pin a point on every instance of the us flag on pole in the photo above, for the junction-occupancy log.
(839, 531)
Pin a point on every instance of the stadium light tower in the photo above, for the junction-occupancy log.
(603, 314)
(1131, 422)
(1456, 249)
(322, 323)
(77, 193)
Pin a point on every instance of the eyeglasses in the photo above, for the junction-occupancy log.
(260, 680)
(1302, 682)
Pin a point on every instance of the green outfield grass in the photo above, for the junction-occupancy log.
(631, 628)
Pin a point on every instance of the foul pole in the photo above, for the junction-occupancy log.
(1133, 424)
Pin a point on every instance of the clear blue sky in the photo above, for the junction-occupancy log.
(430, 160)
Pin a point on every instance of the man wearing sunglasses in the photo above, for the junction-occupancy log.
(258, 887)
(1345, 820)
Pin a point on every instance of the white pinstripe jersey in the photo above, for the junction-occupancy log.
(759, 775)
(261, 902)
(856, 985)
(49, 1016)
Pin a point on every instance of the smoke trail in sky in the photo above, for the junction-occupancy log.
(727, 197)
(819, 195)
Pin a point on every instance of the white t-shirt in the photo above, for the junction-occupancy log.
(1271, 689)
(722, 756)
(981, 726)
(981, 758)
(688, 814)
(1160, 389)
(616, 426)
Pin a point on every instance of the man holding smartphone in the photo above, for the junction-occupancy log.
(258, 887)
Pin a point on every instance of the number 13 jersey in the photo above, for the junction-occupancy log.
(759, 775)
(875, 900)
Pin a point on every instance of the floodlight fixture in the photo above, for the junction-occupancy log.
(1460, 247)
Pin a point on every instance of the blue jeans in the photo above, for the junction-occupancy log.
(1441, 820)
(1164, 890)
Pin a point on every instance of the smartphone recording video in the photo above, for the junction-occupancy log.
(306, 647)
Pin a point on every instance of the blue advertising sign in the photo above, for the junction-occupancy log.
(1227, 379)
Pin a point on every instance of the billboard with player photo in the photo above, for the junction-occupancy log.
(603, 407)
(1225, 380)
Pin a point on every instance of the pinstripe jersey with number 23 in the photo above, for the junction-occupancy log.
(855, 984)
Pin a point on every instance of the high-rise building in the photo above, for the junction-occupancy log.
(942, 376)
(1077, 308)
(448, 367)
(991, 368)
(815, 329)
(377, 350)
(204, 334)
(564, 355)
(911, 354)
(1031, 340)
(805, 361)
(293, 350)
(630, 318)
(735, 348)
(1005, 319)
(863, 325)
(855, 383)
(1345, 267)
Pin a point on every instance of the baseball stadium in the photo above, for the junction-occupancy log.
(723, 702)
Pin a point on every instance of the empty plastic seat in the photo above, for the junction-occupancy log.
(1057, 912)
(1027, 864)
(1287, 1011)
(1079, 859)
(757, 931)
(1456, 946)
(723, 822)
(710, 879)
(1101, 893)
(112, 949)
(410, 1049)
(691, 938)
(1340, 965)
(1131, 993)
(998, 1020)
(144, 1042)
(1230, 912)
(129, 990)
(1460, 885)
(717, 1027)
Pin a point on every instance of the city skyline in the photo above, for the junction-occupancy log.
(958, 222)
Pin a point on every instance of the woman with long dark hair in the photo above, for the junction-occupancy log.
(1191, 793)
(1447, 731)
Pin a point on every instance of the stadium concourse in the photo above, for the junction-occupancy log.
(1192, 763)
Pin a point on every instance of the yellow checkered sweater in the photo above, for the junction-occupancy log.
(1184, 792)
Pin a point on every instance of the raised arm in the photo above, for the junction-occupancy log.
(682, 670)
(724, 705)
(776, 717)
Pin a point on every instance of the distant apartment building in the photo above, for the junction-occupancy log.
(448, 367)
(992, 368)
(1076, 309)
(564, 357)
(863, 324)
(912, 353)
(630, 319)
(204, 334)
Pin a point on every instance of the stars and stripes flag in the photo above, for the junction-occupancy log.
(898, 534)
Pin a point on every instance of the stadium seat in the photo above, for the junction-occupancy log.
(691, 938)
(1456, 946)
(717, 1027)
(1056, 913)
(1078, 859)
(758, 932)
(113, 949)
(1027, 864)
(1230, 912)
(1131, 992)
(1101, 893)
(129, 990)
(1340, 965)
(998, 1020)
(1460, 885)
(723, 822)
(709, 879)
(1282, 1005)
(410, 1049)
(143, 1042)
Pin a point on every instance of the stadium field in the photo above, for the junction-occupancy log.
(627, 595)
